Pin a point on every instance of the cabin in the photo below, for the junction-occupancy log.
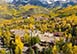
(18, 32)
(58, 34)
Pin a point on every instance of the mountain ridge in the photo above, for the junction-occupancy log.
(45, 3)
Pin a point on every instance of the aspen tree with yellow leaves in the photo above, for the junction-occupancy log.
(19, 45)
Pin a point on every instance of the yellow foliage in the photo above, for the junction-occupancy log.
(27, 7)
(18, 42)
(69, 45)
(54, 49)
(26, 37)
(75, 49)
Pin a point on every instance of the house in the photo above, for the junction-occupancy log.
(18, 32)
(58, 34)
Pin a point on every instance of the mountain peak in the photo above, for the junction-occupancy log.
(45, 3)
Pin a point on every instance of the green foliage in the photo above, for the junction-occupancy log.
(31, 51)
(26, 38)
(2, 51)
(34, 40)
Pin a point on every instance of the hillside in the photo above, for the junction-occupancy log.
(21, 11)
(33, 29)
